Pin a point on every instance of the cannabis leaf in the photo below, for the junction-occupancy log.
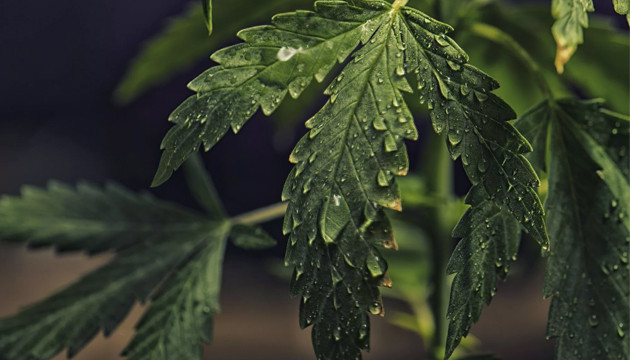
(583, 149)
(490, 239)
(207, 14)
(346, 163)
(274, 60)
(571, 16)
(622, 7)
(182, 313)
(91, 219)
(184, 41)
(151, 239)
(345, 166)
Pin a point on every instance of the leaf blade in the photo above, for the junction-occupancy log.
(585, 273)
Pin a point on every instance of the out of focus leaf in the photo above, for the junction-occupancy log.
(571, 16)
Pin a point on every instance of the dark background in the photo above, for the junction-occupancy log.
(59, 64)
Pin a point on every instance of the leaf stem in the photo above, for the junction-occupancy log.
(438, 174)
(398, 4)
(261, 215)
(502, 38)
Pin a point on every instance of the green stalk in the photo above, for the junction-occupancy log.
(502, 38)
(438, 174)
(261, 215)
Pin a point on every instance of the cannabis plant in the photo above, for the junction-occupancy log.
(557, 175)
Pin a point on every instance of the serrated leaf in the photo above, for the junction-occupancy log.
(184, 41)
(571, 16)
(91, 219)
(586, 148)
(274, 60)
(490, 240)
(207, 14)
(345, 167)
(151, 238)
(475, 121)
(181, 315)
(622, 7)
(251, 237)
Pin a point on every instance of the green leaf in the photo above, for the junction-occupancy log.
(251, 237)
(151, 238)
(586, 150)
(346, 164)
(184, 41)
(202, 188)
(571, 16)
(274, 60)
(181, 314)
(490, 240)
(622, 7)
(345, 167)
(91, 219)
(207, 14)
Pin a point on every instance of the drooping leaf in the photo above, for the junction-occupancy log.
(207, 14)
(152, 238)
(490, 239)
(184, 41)
(91, 219)
(251, 237)
(571, 16)
(622, 7)
(274, 60)
(584, 150)
(181, 315)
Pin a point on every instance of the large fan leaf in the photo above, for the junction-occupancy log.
(152, 239)
(586, 148)
(91, 219)
(181, 315)
(274, 60)
(346, 164)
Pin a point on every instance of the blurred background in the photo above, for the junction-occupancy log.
(63, 116)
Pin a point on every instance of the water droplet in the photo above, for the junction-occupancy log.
(390, 143)
(376, 308)
(593, 321)
(453, 65)
(400, 70)
(337, 333)
(373, 265)
(379, 124)
(382, 179)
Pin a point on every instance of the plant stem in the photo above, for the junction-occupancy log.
(504, 39)
(438, 174)
(261, 215)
